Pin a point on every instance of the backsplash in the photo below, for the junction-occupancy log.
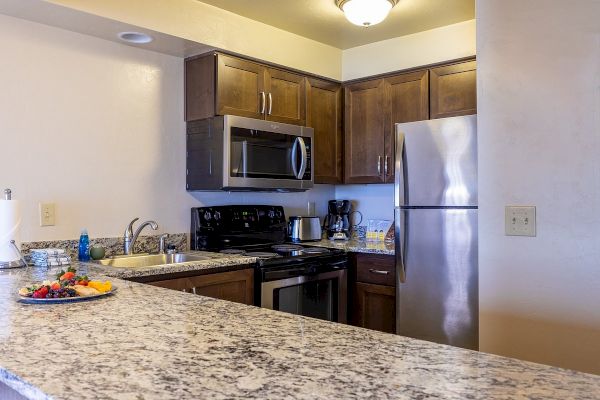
(113, 246)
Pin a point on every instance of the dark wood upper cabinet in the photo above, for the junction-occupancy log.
(453, 90)
(286, 97)
(408, 100)
(240, 87)
(236, 286)
(365, 131)
(324, 115)
(220, 84)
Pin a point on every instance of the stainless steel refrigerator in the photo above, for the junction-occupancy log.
(436, 231)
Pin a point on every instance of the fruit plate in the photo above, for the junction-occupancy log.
(32, 300)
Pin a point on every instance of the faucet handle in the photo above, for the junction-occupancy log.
(129, 229)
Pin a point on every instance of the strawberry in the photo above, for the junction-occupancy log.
(41, 292)
(67, 276)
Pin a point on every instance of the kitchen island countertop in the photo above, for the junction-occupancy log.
(146, 342)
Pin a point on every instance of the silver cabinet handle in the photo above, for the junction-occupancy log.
(270, 103)
(194, 290)
(379, 165)
(263, 102)
(379, 272)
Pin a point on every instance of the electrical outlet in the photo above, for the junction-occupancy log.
(47, 214)
(519, 220)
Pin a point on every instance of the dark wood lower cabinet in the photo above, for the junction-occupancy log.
(375, 307)
(373, 294)
(236, 286)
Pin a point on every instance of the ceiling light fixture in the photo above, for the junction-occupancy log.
(366, 12)
(135, 37)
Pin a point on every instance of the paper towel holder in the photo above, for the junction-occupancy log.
(21, 262)
(14, 264)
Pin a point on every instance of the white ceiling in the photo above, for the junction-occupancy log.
(323, 21)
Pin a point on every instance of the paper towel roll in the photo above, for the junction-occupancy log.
(10, 227)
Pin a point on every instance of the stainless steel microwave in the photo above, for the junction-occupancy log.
(244, 154)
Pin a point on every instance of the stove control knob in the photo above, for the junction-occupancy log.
(217, 216)
(278, 213)
(271, 214)
(207, 216)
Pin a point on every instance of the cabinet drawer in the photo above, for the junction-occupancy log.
(376, 269)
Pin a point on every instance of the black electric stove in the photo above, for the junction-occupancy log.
(306, 280)
(253, 231)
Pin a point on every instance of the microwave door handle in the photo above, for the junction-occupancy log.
(304, 158)
(294, 161)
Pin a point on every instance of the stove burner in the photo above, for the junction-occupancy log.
(233, 251)
(287, 247)
(262, 254)
(314, 250)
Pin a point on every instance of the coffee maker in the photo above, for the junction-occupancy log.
(337, 222)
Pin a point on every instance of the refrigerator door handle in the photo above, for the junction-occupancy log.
(400, 236)
(399, 172)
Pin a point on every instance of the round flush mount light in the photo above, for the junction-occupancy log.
(366, 12)
(135, 37)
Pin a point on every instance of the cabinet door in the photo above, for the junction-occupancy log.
(286, 97)
(240, 87)
(236, 286)
(453, 90)
(365, 128)
(408, 99)
(324, 115)
(375, 307)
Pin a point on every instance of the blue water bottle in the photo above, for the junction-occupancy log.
(84, 246)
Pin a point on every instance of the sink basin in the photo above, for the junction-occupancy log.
(150, 260)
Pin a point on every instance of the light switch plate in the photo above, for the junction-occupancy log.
(47, 214)
(519, 220)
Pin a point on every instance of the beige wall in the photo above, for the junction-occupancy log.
(428, 47)
(539, 144)
(212, 26)
(97, 128)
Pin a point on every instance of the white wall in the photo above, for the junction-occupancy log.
(539, 144)
(423, 48)
(373, 201)
(97, 128)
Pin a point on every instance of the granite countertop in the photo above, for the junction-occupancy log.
(214, 263)
(146, 342)
(356, 246)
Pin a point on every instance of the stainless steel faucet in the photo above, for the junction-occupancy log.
(161, 243)
(130, 238)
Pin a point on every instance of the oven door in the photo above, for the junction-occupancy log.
(267, 155)
(322, 296)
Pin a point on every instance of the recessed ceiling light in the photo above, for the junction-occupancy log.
(366, 12)
(135, 37)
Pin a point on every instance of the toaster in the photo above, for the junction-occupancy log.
(302, 229)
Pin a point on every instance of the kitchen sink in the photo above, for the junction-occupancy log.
(150, 260)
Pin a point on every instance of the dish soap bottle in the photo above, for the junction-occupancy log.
(84, 246)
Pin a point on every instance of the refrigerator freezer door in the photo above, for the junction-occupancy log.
(436, 162)
(438, 300)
